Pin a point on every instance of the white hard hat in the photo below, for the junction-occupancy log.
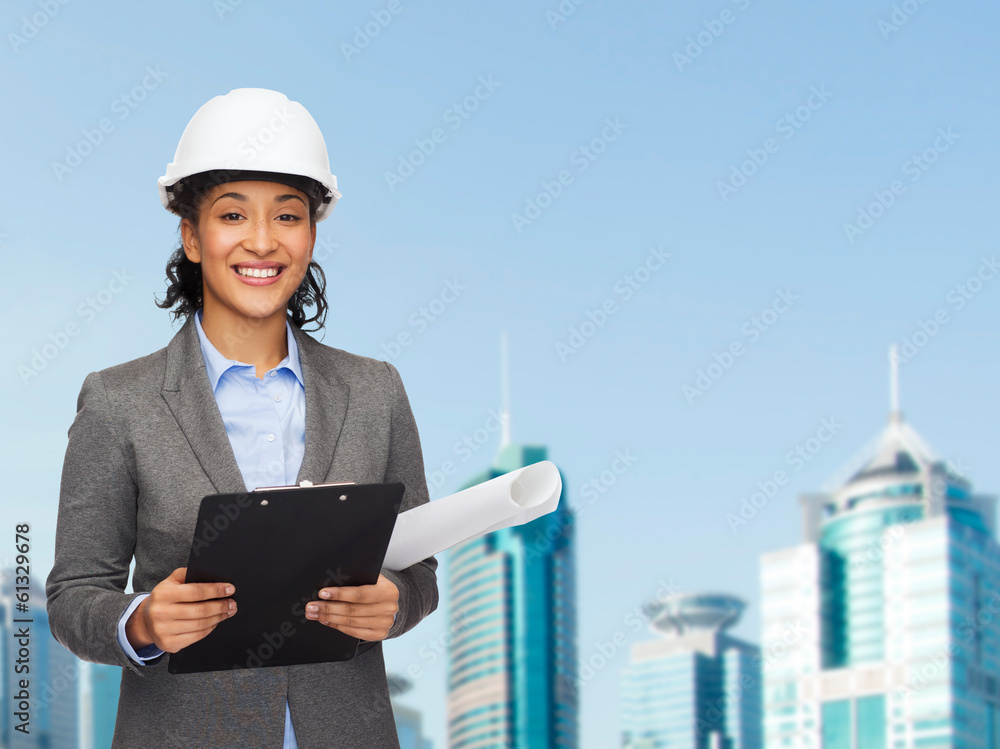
(253, 130)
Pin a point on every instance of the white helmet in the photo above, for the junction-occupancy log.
(253, 130)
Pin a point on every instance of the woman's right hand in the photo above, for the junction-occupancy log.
(176, 614)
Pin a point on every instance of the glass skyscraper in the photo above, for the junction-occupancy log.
(409, 723)
(72, 704)
(882, 630)
(696, 687)
(512, 610)
(105, 683)
(30, 653)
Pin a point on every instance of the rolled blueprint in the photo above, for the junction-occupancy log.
(513, 499)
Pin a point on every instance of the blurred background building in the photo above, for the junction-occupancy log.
(409, 726)
(881, 631)
(696, 687)
(72, 703)
(512, 609)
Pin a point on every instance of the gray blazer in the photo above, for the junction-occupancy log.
(147, 443)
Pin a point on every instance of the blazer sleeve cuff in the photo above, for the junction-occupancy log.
(417, 587)
(143, 656)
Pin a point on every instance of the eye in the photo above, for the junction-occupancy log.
(291, 216)
(231, 215)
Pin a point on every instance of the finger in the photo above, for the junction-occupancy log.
(202, 591)
(361, 593)
(174, 641)
(374, 623)
(174, 627)
(362, 633)
(164, 613)
(356, 610)
(203, 609)
(355, 593)
(203, 626)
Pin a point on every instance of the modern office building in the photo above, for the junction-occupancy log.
(512, 612)
(71, 704)
(59, 700)
(696, 687)
(881, 631)
(104, 682)
(409, 723)
(40, 684)
(512, 620)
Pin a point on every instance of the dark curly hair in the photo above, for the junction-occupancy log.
(184, 287)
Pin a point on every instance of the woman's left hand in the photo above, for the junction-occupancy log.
(362, 611)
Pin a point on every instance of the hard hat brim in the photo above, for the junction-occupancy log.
(327, 195)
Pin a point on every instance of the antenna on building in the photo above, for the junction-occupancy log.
(504, 392)
(894, 414)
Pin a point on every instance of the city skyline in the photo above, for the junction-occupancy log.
(639, 279)
(875, 623)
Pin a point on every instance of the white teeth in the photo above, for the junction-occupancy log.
(257, 272)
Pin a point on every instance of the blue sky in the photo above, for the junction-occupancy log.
(747, 159)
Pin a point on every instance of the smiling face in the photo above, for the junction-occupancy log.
(254, 242)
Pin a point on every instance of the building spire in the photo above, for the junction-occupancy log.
(895, 416)
(504, 392)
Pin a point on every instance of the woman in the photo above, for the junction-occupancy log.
(240, 398)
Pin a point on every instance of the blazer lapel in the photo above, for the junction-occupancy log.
(189, 395)
(327, 396)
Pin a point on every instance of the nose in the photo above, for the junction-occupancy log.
(260, 237)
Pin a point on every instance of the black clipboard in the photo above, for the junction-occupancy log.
(278, 546)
